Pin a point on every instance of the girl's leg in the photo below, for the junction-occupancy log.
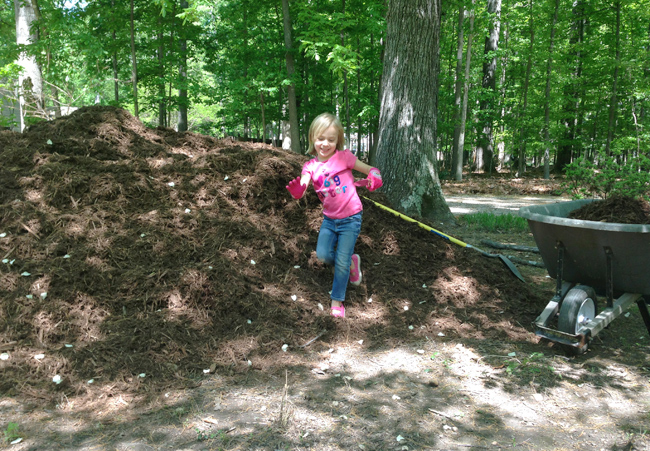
(327, 238)
(348, 230)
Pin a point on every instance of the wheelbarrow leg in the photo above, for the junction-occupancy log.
(643, 308)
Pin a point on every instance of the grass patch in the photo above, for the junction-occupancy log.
(488, 222)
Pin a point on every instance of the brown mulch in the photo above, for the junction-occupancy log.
(616, 209)
(139, 258)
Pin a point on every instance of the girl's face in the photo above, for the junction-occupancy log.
(325, 143)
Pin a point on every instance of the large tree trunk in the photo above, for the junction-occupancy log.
(294, 130)
(613, 98)
(406, 150)
(183, 101)
(547, 96)
(485, 146)
(30, 81)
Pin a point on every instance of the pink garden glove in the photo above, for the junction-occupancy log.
(374, 179)
(296, 188)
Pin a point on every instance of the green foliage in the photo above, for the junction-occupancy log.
(530, 367)
(12, 432)
(612, 177)
(489, 222)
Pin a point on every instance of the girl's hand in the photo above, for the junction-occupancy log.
(374, 179)
(296, 189)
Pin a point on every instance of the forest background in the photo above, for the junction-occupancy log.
(519, 84)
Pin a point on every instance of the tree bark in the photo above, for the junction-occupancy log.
(263, 117)
(521, 167)
(183, 101)
(613, 99)
(406, 149)
(162, 109)
(134, 67)
(30, 81)
(547, 96)
(566, 148)
(485, 146)
(456, 151)
(463, 111)
(294, 130)
(116, 86)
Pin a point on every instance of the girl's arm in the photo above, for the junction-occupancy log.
(374, 176)
(362, 167)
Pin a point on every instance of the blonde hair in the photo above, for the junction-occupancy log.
(321, 123)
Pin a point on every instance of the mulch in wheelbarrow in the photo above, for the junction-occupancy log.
(615, 209)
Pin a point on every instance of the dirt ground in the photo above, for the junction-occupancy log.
(159, 290)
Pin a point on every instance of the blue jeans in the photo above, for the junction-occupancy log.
(335, 247)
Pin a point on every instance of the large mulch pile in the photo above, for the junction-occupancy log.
(615, 209)
(139, 258)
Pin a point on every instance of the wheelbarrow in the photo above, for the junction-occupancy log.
(588, 259)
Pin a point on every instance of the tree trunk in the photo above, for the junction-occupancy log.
(613, 101)
(162, 109)
(547, 96)
(30, 81)
(501, 145)
(463, 111)
(456, 151)
(294, 130)
(116, 85)
(374, 137)
(566, 148)
(134, 67)
(263, 117)
(485, 146)
(521, 167)
(182, 72)
(406, 150)
(359, 120)
(346, 94)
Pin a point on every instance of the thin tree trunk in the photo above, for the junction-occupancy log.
(116, 85)
(613, 101)
(547, 95)
(567, 148)
(162, 110)
(456, 151)
(501, 146)
(521, 167)
(182, 72)
(134, 67)
(294, 130)
(372, 150)
(485, 146)
(463, 111)
(263, 117)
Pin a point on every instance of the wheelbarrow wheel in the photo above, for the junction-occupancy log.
(578, 308)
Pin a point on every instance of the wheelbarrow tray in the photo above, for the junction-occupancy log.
(586, 244)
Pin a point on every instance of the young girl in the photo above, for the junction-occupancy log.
(331, 173)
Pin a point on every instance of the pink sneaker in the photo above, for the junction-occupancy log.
(338, 312)
(355, 270)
